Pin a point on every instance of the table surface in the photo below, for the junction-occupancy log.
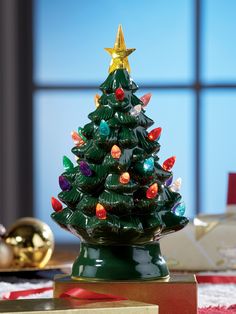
(208, 294)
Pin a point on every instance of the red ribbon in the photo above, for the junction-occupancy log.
(214, 279)
(76, 293)
(218, 310)
(13, 295)
(83, 294)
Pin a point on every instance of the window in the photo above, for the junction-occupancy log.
(184, 57)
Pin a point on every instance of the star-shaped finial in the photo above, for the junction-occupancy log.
(119, 53)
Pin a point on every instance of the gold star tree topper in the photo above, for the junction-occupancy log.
(119, 53)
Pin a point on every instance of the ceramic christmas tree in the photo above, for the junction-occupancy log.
(118, 198)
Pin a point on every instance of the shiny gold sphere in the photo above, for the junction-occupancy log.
(32, 242)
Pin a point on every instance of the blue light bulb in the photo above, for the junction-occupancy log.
(104, 129)
(179, 209)
(148, 164)
(169, 181)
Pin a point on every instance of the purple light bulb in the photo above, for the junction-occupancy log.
(64, 184)
(85, 169)
(169, 181)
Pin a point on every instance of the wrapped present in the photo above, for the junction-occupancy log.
(71, 306)
(174, 295)
(208, 243)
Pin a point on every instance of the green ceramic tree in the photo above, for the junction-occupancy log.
(118, 194)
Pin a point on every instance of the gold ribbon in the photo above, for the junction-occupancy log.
(206, 223)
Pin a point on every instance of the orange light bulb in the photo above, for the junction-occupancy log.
(115, 152)
(77, 138)
(96, 98)
(101, 213)
(124, 178)
(169, 163)
(152, 191)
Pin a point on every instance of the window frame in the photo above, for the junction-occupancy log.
(197, 86)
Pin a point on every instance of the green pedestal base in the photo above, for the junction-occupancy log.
(100, 262)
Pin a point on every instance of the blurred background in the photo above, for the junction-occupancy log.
(51, 65)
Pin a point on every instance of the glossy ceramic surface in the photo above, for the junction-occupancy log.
(116, 262)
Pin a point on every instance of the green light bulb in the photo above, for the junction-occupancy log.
(67, 164)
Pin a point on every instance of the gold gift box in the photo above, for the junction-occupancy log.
(72, 306)
(206, 244)
(177, 295)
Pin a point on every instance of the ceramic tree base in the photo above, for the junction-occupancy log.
(120, 262)
(177, 295)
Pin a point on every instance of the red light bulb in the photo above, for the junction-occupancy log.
(120, 94)
(152, 191)
(169, 163)
(101, 213)
(145, 99)
(56, 205)
(154, 134)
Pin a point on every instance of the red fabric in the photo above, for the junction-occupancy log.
(77, 293)
(215, 279)
(218, 310)
(231, 198)
(13, 295)
(212, 279)
(83, 294)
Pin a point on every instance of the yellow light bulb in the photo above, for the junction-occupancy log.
(96, 98)
(124, 178)
(115, 152)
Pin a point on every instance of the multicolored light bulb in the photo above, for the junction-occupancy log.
(179, 209)
(104, 129)
(64, 184)
(115, 152)
(148, 164)
(67, 164)
(145, 99)
(169, 163)
(56, 205)
(124, 178)
(152, 191)
(101, 213)
(96, 98)
(120, 94)
(155, 134)
(85, 169)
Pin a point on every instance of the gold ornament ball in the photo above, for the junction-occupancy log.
(32, 241)
(6, 254)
